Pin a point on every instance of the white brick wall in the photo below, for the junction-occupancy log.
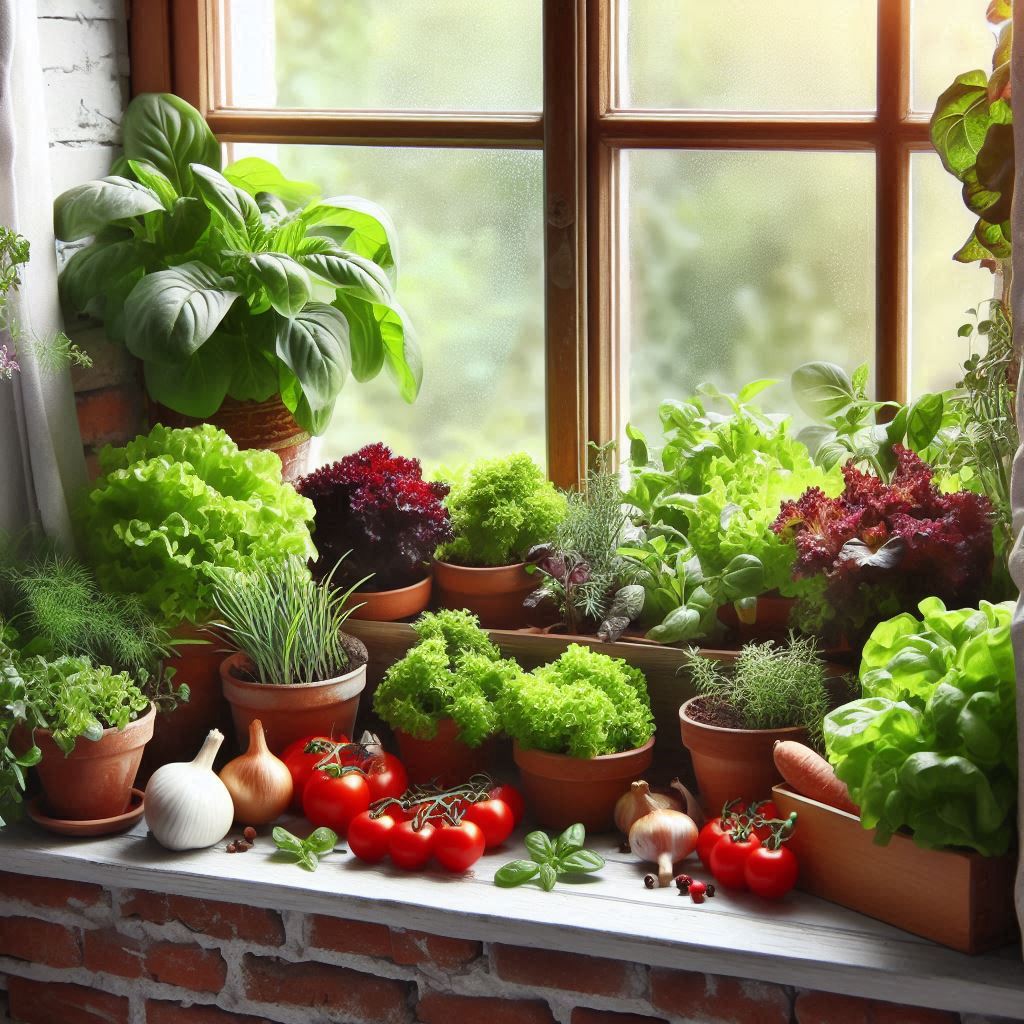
(84, 50)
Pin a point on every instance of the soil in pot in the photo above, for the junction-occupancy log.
(729, 761)
(392, 605)
(445, 758)
(289, 712)
(494, 595)
(562, 790)
(95, 780)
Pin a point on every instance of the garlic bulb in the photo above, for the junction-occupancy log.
(662, 836)
(259, 783)
(187, 806)
(631, 805)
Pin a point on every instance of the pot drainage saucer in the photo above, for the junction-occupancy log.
(96, 827)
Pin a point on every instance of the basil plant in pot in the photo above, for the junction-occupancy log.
(247, 296)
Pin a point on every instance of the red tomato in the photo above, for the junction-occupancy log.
(301, 764)
(708, 839)
(409, 848)
(494, 818)
(767, 810)
(459, 847)
(368, 838)
(513, 798)
(334, 801)
(386, 777)
(771, 873)
(728, 859)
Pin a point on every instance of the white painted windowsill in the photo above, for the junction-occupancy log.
(802, 941)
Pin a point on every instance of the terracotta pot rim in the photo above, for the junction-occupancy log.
(240, 658)
(454, 566)
(418, 585)
(96, 748)
(563, 766)
(686, 721)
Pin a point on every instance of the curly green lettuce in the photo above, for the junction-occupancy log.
(932, 745)
(584, 704)
(460, 632)
(500, 510)
(172, 505)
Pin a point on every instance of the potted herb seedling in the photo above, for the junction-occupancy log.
(245, 295)
(499, 511)
(583, 732)
(167, 510)
(440, 699)
(295, 670)
(769, 692)
(376, 511)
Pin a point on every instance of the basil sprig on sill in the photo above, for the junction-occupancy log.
(563, 856)
(306, 851)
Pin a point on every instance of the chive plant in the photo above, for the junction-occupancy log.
(289, 625)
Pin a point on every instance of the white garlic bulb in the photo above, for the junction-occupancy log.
(187, 806)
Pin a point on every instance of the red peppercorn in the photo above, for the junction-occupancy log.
(697, 891)
(683, 882)
(250, 833)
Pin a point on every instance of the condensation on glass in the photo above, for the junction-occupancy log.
(456, 55)
(749, 55)
(741, 266)
(470, 237)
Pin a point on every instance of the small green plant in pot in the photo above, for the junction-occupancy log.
(500, 510)
(296, 670)
(769, 692)
(441, 698)
(583, 731)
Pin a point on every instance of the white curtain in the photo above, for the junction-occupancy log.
(41, 460)
(1017, 306)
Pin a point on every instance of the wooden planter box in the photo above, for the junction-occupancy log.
(957, 898)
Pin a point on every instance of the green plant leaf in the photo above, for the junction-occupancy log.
(571, 840)
(236, 208)
(287, 283)
(357, 225)
(148, 175)
(171, 313)
(350, 273)
(743, 577)
(365, 340)
(971, 251)
(92, 271)
(323, 840)
(679, 625)
(822, 389)
(750, 391)
(85, 209)
(961, 121)
(402, 357)
(539, 846)
(30, 758)
(994, 172)
(171, 135)
(548, 877)
(924, 420)
(195, 386)
(995, 238)
(516, 872)
(314, 345)
(284, 840)
(582, 861)
(254, 175)
(186, 223)
(254, 375)
(638, 453)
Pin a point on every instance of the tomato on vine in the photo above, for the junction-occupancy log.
(411, 848)
(301, 758)
(494, 819)
(386, 776)
(333, 799)
(511, 796)
(458, 847)
(771, 871)
(729, 857)
(369, 837)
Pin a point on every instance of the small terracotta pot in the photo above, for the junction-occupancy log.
(731, 763)
(770, 622)
(267, 425)
(444, 758)
(392, 605)
(494, 595)
(95, 780)
(562, 790)
(178, 734)
(290, 712)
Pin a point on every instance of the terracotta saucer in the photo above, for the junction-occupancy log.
(97, 827)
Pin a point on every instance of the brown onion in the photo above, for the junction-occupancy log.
(632, 805)
(260, 784)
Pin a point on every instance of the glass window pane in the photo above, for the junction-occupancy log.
(470, 235)
(941, 290)
(742, 266)
(402, 54)
(948, 38)
(748, 55)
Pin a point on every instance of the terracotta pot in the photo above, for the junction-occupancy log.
(494, 595)
(290, 712)
(771, 619)
(392, 605)
(180, 733)
(731, 763)
(444, 758)
(95, 780)
(268, 425)
(562, 790)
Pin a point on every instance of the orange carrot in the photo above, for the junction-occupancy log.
(812, 776)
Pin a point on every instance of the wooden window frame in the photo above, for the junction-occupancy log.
(582, 133)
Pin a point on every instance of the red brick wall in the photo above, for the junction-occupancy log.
(78, 954)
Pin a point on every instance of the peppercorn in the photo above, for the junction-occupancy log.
(243, 846)
(250, 833)
(683, 882)
(231, 848)
(711, 889)
(650, 881)
(697, 891)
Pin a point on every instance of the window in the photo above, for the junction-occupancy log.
(602, 203)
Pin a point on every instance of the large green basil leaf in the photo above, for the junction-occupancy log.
(924, 419)
(402, 356)
(171, 313)
(822, 389)
(314, 345)
(171, 135)
(287, 283)
(356, 224)
(195, 386)
(350, 272)
(236, 208)
(995, 171)
(186, 223)
(94, 270)
(83, 210)
(743, 577)
(961, 121)
(254, 175)
(365, 341)
(295, 402)
(148, 175)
